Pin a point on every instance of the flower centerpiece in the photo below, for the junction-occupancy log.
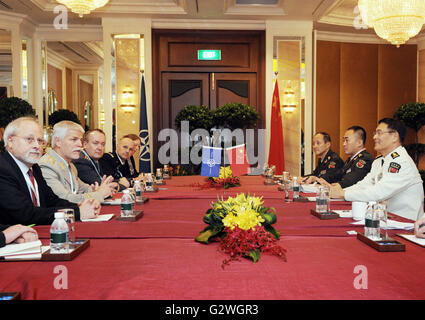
(244, 228)
(225, 179)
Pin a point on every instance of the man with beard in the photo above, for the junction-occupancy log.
(60, 173)
(25, 197)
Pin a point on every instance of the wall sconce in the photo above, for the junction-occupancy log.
(102, 117)
(127, 101)
(289, 102)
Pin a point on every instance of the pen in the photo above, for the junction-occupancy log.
(31, 225)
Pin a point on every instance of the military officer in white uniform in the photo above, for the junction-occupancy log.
(394, 176)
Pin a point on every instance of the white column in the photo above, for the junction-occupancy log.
(16, 60)
(37, 79)
(107, 87)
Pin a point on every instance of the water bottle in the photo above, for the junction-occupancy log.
(126, 204)
(139, 190)
(368, 219)
(149, 182)
(166, 172)
(296, 188)
(158, 176)
(375, 230)
(59, 235)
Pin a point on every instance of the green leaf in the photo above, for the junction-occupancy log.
(255, 255)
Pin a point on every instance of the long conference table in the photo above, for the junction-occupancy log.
(156, 257)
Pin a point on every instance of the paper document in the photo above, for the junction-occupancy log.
(313, 199)
(102, 217)
(344, 213)
(392, 224)
(413, 238)
(308, 188)
(112, 202)
(21, 248)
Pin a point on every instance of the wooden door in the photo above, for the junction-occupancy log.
(233, 87)
(180, 90)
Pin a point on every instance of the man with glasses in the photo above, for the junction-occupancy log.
(25, 197)
(394, 176)
(61, 174)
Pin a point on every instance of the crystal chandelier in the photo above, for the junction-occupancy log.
(394, 20)
(82, 7)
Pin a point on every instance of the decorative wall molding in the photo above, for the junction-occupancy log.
(232, 8)
(210, 24)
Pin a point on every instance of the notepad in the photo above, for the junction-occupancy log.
(102, 217)
(21, 250)
(308, 188)
(391, 225)
(112, 202)
(313, 199)
(413, 238)
(344, 213)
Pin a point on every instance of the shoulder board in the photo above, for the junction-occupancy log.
(394, 155)
(379, 156)
(111, 154)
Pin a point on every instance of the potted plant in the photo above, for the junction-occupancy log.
(413, 116)
(10, 109)
(199, 117)
(62, 114)
(236, 116)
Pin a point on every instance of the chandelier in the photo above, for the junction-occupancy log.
(394, 20)
(82, 7)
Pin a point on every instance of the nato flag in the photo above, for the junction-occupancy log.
(211, 160)
(145, 153)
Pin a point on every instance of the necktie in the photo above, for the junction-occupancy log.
(33, 196)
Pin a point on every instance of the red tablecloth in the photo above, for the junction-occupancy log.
(317, 268)
(157, 257)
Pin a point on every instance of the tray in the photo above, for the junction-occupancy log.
(301, 199)
(324, 216)
(388, 245)
(144, 200)
(10, 295)
(82, 245)
(139, 214)
(155, 189)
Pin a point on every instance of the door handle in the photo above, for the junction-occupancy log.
(213, 81)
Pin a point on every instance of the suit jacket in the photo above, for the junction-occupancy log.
(2, 237)
(112, 166)
(330, 168)
(56, 174)
(88, 173)
(16, 206)
(355, 169)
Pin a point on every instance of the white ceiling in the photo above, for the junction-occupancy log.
(327, 15)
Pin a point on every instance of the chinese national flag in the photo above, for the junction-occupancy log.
(276, 153)
(238, 160)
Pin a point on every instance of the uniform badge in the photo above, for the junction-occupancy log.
(360, 164)
(332, 165)
(348, 171)
(395, 155)
(322, 172)
(394, 167)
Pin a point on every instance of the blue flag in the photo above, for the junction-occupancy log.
(145, 152)
(211, 160)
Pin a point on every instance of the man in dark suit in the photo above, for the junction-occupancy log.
(116, 164)
(90, 169)
(25, 197)
(17, 233)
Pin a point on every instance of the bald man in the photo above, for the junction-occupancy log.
(116, 164)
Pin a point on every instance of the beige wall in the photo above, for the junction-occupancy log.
(358, 84)
(54, 82)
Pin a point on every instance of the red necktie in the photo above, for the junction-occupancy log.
(34, 198)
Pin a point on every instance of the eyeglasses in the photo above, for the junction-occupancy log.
(380, 132)
(31, 140)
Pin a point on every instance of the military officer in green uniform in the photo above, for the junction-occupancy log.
(329, 164)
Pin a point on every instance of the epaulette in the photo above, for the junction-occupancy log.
(395, 155)
(379, 156)
(111, 154)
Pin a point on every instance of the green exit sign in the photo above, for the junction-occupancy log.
(209, 54)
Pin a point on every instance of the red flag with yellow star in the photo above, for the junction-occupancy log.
(276, 153)
(238, 160)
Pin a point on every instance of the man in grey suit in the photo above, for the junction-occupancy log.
(61, 174)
